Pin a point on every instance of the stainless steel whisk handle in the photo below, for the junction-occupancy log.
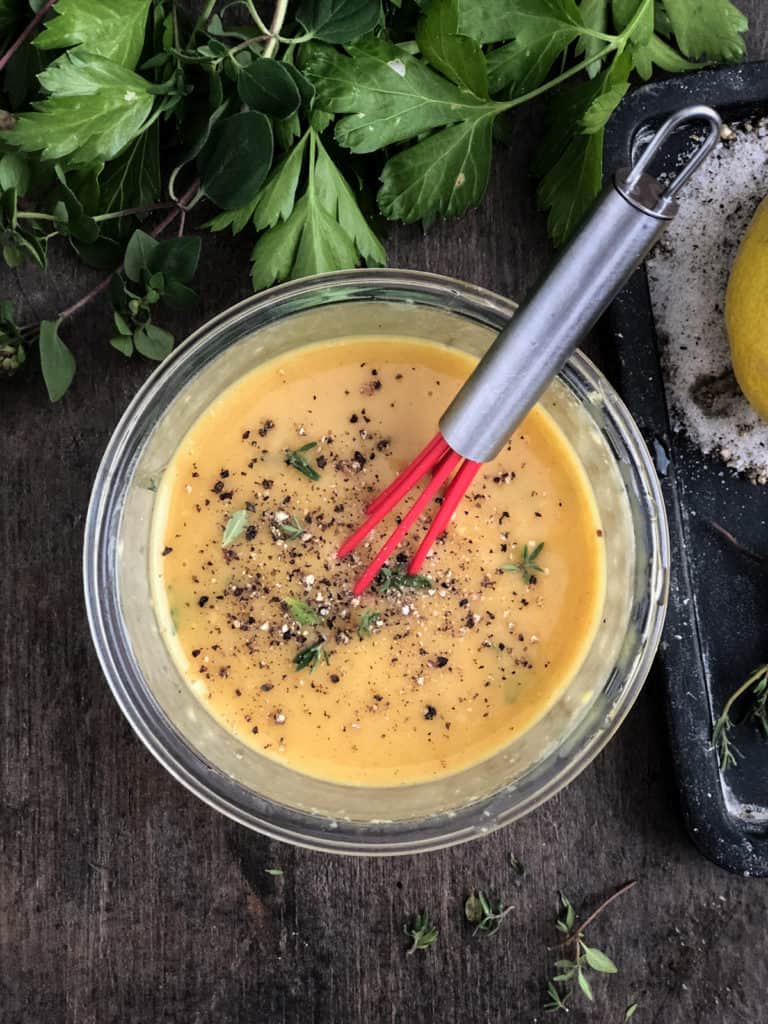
(632, 213)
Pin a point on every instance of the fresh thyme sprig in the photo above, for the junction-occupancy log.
(311, 656)
(584, 956)
(367, 621)
(292, 528)
(756, 686)
(395, 579)
(479, 910)
(527, 565)
(422, 934)
(302, 613)
(296, 458)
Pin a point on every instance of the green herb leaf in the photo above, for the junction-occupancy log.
(56, 360)
(570, 914)
(443, 176)
(540, 29)
(14, 173)
(574, 179)
(556, 1001)
(631, 1011)
(122, 344)
(335, 195)
(423, 935)
(96, 107)
(273, 871)
(711, 30)
(267, 85)
(527, 565)
(473, 908)
(109, 28)
(397, 579)
(598, 961)
(584, 985)
(297, 459)
(175, 258)
(659, 53)
(479, 910)
(367, 621)
(274, 202)
(133, 179)
(458, 57)
(235, 527)
(594, 15)
(338, 21)
(388, 95)
(153, 342)
(302, 613)
(311, 656)
(137, 255)
(236, 159)
(292, 528)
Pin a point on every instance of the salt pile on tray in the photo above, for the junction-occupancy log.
(687, 275)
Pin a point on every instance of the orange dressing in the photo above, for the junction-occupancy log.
(402, 685)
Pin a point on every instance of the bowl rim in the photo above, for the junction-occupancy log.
(302, 828)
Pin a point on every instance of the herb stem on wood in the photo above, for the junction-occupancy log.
(19, 42)
(595, 914)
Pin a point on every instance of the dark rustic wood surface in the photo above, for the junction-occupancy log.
(124, 899)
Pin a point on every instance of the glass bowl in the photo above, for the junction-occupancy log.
(271, 797)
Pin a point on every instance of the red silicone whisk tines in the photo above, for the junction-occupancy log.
(631, 215)
(441, 461)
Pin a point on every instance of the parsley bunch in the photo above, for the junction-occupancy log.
(306, 128)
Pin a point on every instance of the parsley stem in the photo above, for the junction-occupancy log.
(26, 33)
(559, 79)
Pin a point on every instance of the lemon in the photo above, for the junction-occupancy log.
(746, 312)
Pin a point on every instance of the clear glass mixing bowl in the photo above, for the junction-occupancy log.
(262, 793)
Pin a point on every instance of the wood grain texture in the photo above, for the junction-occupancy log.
(124, 899)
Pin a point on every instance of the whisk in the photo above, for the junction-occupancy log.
(633, 212)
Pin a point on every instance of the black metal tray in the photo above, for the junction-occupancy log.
(715, 632)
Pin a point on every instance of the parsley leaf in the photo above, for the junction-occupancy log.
(443, 176)
(573, 148)
(337, 197)
(395, 98)
(96, 107)
(324, 230)
(109, 28)
(388, 95)
(712, 29)
(458, 57)
(540, 31)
